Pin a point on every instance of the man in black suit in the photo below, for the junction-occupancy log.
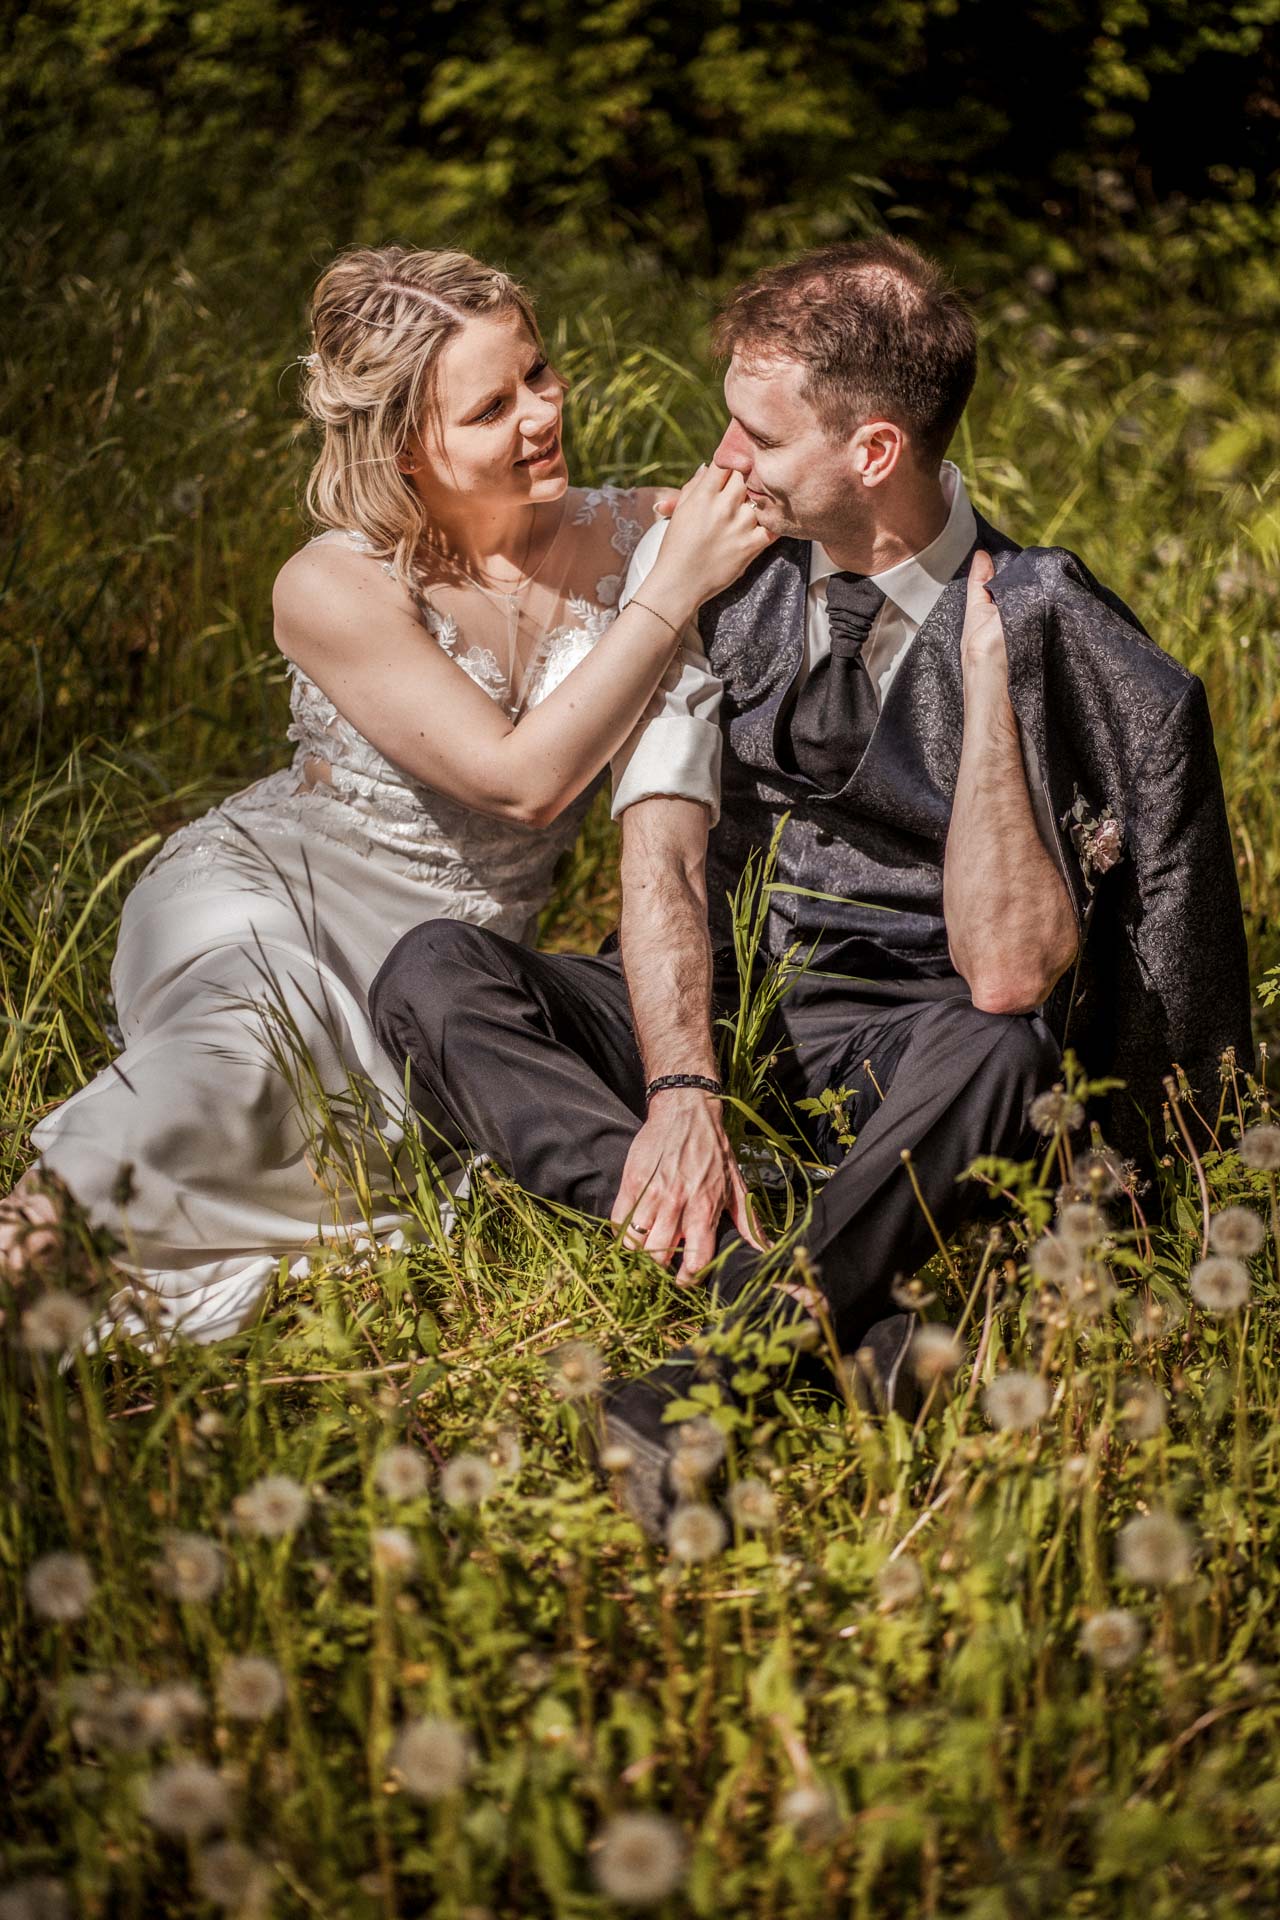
(1000, 832)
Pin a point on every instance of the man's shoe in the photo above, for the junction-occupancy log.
(638, 1447)
(637, 1469)
(882, 1376)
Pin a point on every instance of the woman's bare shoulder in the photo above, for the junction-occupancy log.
(324, 584)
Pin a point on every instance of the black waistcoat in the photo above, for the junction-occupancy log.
(873, 848)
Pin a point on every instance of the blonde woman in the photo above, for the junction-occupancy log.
(460, 676)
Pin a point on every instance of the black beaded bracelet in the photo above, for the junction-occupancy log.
(699, 1080)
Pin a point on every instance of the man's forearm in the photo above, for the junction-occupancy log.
(666, 957)
(1010, 921)
(680, 1178)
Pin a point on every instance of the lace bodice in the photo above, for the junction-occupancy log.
(340, 787)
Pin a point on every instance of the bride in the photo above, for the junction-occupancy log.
(460, 676)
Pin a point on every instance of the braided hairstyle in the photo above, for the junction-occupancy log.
(380, 319)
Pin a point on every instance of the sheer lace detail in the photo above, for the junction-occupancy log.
(491, 871)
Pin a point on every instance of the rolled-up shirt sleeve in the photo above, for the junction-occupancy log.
(674, 748)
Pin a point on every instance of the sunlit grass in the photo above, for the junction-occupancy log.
(933, 1669)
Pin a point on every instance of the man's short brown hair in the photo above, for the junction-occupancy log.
(879, 327)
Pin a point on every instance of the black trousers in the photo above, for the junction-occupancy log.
(532, 1057)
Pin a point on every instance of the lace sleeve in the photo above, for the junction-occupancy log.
(626, 528)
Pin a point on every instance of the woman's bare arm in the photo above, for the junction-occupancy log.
(351, 629)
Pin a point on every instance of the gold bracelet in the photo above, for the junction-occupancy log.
(633, 602)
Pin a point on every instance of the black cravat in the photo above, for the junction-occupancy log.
(836, 709)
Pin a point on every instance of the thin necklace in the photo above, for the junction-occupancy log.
(526, 574)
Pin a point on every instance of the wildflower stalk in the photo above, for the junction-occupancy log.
(378, 1731)
(948, 1259)
(1175, 1107)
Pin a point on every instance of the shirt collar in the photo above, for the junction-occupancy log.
(915, 584)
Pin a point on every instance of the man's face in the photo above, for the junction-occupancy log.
(800, 479)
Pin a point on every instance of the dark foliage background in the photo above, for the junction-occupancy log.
(704, 132)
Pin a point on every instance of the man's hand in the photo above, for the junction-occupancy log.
(982, 642)
(679, 1179)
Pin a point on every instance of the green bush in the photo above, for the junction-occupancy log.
(705, 133)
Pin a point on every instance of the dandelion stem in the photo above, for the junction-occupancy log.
(1175, 1105)
(943, 1248)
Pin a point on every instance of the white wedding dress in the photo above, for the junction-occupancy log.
(248, 947)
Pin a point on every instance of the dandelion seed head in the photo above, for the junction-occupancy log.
(54, 1323)
(753, 1505)
(40, 1897)
(394, 1550)
(1237, 1232)
(1016, 1401)
(1101, 1175)
(1143, 1408)
(899, 1583)
(1154, 1550)
(1220, 1285)
(531, 1671)
(467, 1480)
(811, 1812)
(191, 1569)
(505, 1456)
(1090, 1292)
(696, 1532)
(431, 1757)
(701, 1446)
(1156, 1319)
(1112, 1640)
(132, 1720)
(935, 1353)
(639, 1859)
(616, 1458)
(1260, 1149)
(60, 1586)
(1055, 1112)
(401, 1474)
(185, 1701)
(250, 1687)
(575, 1371)
(210, 1425)
(272, 1507)
(1081, 1224)
(187, 1799)
(1052, 1260)
(229, 1874)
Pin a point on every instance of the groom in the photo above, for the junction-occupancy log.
(1001, 832)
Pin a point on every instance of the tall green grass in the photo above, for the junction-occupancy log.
(903, 1690)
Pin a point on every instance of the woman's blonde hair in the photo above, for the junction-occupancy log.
(380, 319)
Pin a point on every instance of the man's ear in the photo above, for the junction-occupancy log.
(876, 447)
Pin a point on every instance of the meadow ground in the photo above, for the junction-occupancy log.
(346, 1628)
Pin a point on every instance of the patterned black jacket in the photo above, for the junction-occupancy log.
(1123, 776)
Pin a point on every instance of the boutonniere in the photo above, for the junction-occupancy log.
(1098, 838)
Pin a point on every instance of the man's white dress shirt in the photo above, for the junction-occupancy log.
(675, 747)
